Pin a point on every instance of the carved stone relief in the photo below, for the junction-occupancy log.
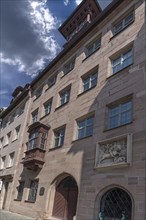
(112, 152)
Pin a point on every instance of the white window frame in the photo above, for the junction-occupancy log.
(34, 116)
(94, 46)
(119, 114)
(59, 137)
(123, 23)
(85, 127)
(119, 63)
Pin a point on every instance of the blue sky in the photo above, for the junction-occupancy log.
(30, 39)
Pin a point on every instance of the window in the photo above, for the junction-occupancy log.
(11, 159)
(124, 23)
(33, 138)
(7, 139)
(85, 127)
(35, 116)
(64, 96)
(94, 46)
(120, 114)
(122, 61)
(43, 140)
(16, 133)
(52, 81)
(38, 92)
(20, 190)
(47, 107)
(33, 190)
(21, 109)
(89, 81)
(69, 66)
(116, 204)
(3, 161)
(59, 137)
(1, 141)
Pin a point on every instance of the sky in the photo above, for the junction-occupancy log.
(29, 39)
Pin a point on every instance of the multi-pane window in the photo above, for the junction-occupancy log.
(43, 140)
(93, 47)
(122, 61)
(52, 80)
(59, 137)
(33, 138)
(20, 190)
(64, 96)
(85, 127)
(33, 190)
(38, 92)
(11, 159)
(3, 161)
(69, 66)
(120, 114)
(47, 107)
(123, 23)
(90, 81)
(35, 116)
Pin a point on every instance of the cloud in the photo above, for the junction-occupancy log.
(78, 2)
(28, 35)
(3, 92)
(66, 2)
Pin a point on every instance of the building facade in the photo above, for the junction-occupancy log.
(83, 152)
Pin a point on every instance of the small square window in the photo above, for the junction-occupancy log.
(127, 20)
(122, 61)
(69, 66)
(59, 137)
(92, 47)
(120, 114)
(85, 127)
(33, 190)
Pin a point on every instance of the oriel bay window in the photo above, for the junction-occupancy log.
(36, 146)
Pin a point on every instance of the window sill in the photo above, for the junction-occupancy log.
(14, 140)
(90, 55)
(121, 31)
(49, 87)
(61, 105)
(19, 200)
(55, 148)
(5, 145)
(82, 138)
(109, 129)
(114, 74)
(45, 116)
(86, 91)
(29, 201)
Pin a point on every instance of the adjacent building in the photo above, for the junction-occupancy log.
(82, 154)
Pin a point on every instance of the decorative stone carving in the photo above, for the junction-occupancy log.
(115, 151)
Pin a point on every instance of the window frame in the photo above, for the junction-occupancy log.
(121, 57)
(11, 159)
(33, 191)
(46, 105)
(69, 66)
(119, 105)
(20, 190)
(89, 76)
(64, 95)
(123, 22)
(93, 46)
(35, 115)
(3, 162)
(84, 128)
(59, 137)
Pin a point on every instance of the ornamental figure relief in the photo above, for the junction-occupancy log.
(113, 153)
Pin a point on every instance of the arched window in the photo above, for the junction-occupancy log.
(115, 204)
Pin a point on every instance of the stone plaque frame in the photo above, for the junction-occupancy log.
(115, 152)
